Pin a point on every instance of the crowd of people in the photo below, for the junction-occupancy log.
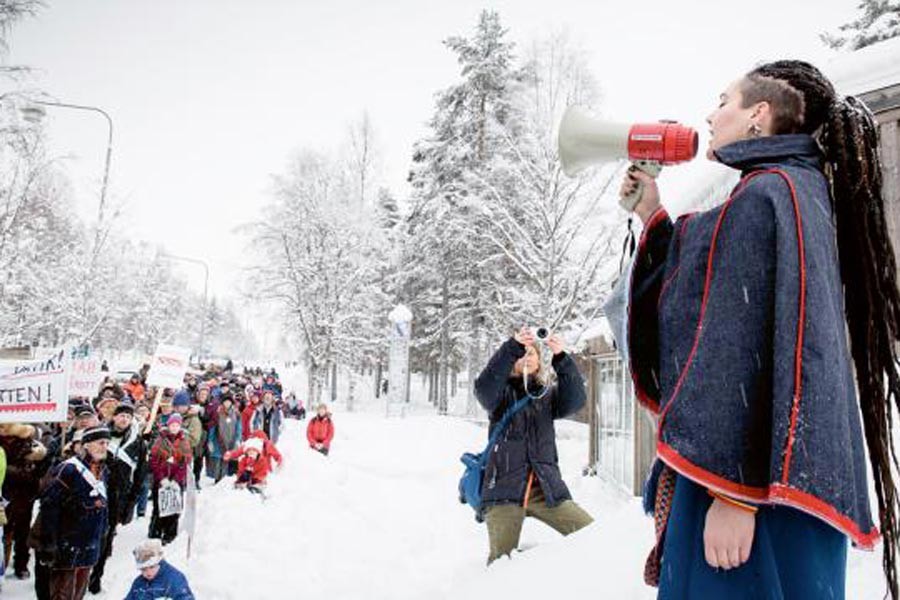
(131, 446)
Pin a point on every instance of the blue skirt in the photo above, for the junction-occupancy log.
(794, 555)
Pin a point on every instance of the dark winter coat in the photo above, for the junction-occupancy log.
(73, 515)
(737, 340)
(170, 457)
(169, 583)
(268, 420)
(320, 431)
(225, 434)
(127, 464)
(529, 443)
(24, 458)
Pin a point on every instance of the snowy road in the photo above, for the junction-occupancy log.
(379, 519)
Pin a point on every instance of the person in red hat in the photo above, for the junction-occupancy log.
(169, 460)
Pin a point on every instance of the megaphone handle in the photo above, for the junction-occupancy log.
(652, 169)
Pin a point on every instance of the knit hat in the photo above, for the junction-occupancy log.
(254, 444)
(93, 434)
(148, 553)
(84, 410)
(125, 406)
(182, 398)
(78, 436)
(173, 418)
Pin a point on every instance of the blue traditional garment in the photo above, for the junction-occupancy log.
(738, 341)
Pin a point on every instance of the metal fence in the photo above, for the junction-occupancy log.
(622, 437)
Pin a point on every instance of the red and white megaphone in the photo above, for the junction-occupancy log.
(585, 140)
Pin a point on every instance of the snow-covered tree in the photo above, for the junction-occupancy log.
(878, 20)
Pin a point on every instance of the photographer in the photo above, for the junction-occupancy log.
(522, 477)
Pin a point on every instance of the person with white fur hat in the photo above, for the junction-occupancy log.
(158, 578)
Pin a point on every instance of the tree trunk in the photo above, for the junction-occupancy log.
(310, 385)
(445, 345)
(351, 388)
(378, 376)
(334, 381)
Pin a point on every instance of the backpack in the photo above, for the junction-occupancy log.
(471, 482)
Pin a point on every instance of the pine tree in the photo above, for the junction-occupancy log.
(878, 20)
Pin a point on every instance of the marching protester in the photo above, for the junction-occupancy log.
(200, 452)
(135, 388)
(158, 579)
(224, 435)
(247, 415)
(2, 515)
(320, 430)
(522, 478)
(73, 517)
(126, 465)
(738, 341)
(193, 426)
(24, 467)
(268, 417)
(170, 459)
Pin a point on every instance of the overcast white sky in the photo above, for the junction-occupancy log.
(210, 97)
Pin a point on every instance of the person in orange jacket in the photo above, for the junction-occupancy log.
(320, 430)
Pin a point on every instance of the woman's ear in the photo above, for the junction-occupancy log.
(761, 115)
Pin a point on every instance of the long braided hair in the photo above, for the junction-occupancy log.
(804, 101)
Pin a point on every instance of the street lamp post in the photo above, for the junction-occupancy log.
(205, 266)
(34, 112)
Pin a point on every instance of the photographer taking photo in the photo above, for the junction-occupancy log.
(522, 477)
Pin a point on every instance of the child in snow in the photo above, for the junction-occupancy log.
(255, 458)
(158, 579)
(320, 430)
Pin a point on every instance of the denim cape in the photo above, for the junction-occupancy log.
(738, 341)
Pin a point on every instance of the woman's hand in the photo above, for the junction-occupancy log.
(728, 535)
(525, 337)
(556, 344)
(649, 201)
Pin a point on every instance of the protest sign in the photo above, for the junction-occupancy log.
(34, 390)
(85, 377)
(168, 366)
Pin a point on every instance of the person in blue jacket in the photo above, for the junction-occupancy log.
(522, 477)
(738, 341)
(74, 511)
(158, 579)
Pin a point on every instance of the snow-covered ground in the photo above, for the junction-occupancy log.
(380, 519)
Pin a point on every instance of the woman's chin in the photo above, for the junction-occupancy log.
(711, 153)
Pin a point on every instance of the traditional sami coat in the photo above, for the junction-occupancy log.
(738, 341)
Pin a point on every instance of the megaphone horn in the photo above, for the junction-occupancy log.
(585, 140)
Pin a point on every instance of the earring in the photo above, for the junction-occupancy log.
(755, 130)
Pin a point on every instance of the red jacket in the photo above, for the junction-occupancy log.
(259, 467)
(247, 419)
(320, 431)
(170, 457)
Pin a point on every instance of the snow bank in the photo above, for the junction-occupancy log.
(379, 519)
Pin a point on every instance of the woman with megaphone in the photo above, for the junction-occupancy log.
(738, 341)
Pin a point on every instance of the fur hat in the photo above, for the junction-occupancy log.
(18, 430)
(148, 553)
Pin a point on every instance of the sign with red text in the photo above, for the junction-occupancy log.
(35, 390)
(85, 377)
(168, 367)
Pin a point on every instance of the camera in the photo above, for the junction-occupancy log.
(541, 334)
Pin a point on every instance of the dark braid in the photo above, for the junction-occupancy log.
(849, 137)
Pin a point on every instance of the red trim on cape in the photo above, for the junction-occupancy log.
(801, 321)
(775, 493)
(643, 397)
